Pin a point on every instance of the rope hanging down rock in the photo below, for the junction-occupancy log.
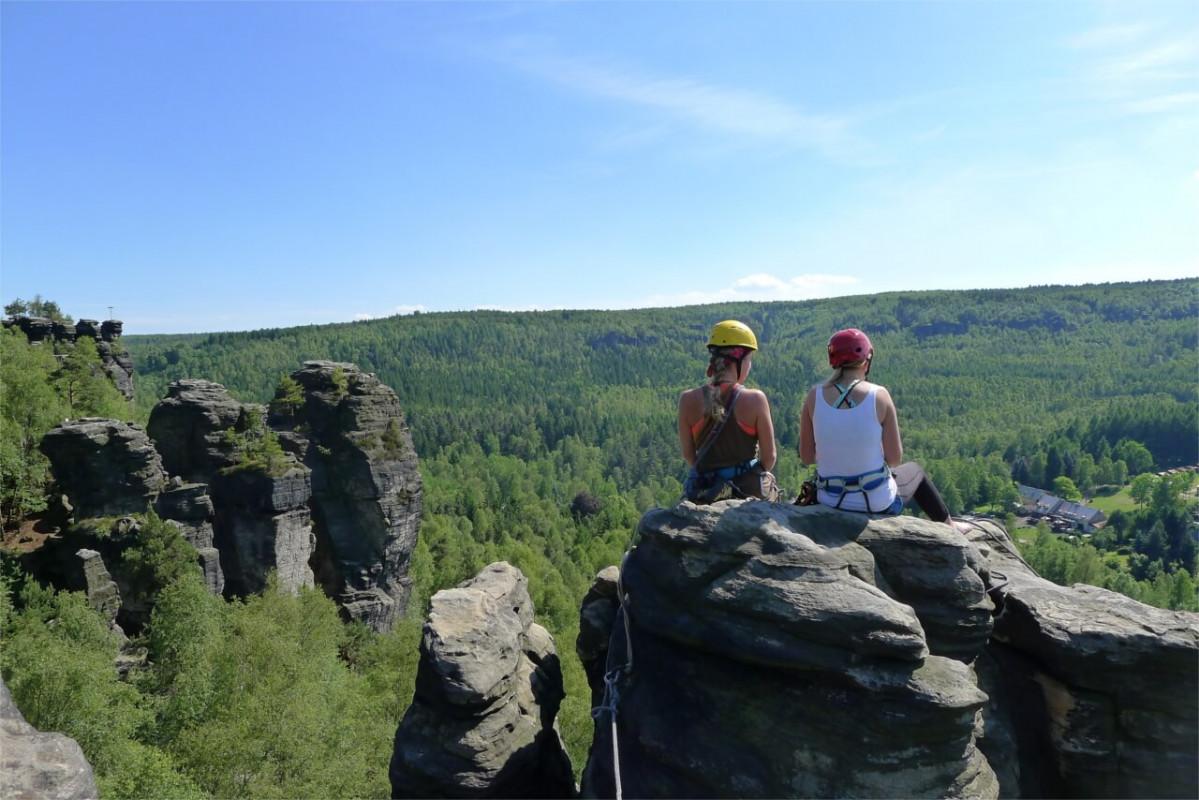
(614, 675)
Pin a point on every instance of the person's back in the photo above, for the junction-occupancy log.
(725, 429)
(849, 429)
(849, 447)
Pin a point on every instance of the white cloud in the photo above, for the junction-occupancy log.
(361, 317)
(409, 309)
(1107, 36)
(761, 287)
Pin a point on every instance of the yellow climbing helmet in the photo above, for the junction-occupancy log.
(731, 333)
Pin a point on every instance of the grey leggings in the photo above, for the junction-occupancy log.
(914, 484)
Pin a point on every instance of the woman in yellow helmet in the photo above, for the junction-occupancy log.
(725, 429)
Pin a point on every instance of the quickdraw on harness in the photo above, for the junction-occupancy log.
(614, 675)
(840, 486)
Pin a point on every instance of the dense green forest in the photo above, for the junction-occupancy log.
(543, 436)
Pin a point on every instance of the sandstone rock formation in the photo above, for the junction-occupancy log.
(189, 508)
(597, 615)
(106, 468)
(188, 428)
(114, 358)
(102, 591)
(39, 766)
(117, 363)
(488, 688)
(773, 657)
(1106, 686)
(263, 524)
(350, 431)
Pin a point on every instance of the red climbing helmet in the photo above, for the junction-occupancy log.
(849, 346)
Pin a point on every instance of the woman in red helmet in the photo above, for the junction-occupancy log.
(850, 431)
(725, 429)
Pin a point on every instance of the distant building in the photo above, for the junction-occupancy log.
(1040, 503)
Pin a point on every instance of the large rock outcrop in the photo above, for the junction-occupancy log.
(189, 508)
(1105, 686)
(39, 766)
(257, 522)
(189, 427)
(113, 357)
(106, 467)
(349, 429)
(488, 687)
(773, 657)
(263, 524)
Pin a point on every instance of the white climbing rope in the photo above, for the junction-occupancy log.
(613, 676)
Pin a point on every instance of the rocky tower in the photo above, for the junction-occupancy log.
(113, 356)
(260, 521)
(348, 428)
(107, 467)
(347, 506)
(488, 688)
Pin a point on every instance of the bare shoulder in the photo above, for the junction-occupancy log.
(755, 397)
(692, 398)
(883, 398)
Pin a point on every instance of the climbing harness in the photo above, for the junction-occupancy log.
(844, 399)
(612, 677)
(840, 486)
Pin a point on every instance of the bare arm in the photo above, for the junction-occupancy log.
(807, 431)
(889, 419)
(688, 414)
(764, 423)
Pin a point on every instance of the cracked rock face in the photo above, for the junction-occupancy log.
(106, 467)
(188, 427)
(36, 765)
(1106, 685)
(778, 651)
(488, 689)
(263, 524)
(367, 494)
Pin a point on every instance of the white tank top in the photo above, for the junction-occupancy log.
(849, 442)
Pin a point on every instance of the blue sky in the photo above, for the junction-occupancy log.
(223, 166)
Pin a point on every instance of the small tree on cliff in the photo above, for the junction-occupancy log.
(37, 307)
(84, 386)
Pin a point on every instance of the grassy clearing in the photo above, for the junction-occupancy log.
(1024, 537)
(1117, 501)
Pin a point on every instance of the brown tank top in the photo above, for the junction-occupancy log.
(732, 446)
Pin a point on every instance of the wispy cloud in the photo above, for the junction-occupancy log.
(1108, 36)
(749, 116)
(1161, 61)
(1138, 69)
(1163, 103)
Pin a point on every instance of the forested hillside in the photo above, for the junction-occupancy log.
(543, 436)
(1008, 373)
